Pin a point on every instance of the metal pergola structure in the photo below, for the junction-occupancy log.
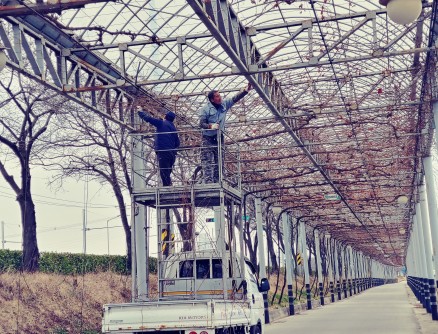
(341, 112)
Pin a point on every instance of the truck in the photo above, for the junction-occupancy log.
(195, 297)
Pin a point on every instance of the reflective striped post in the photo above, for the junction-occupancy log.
(305, 264)
(287, 237)
(429, 253)
(319, 267)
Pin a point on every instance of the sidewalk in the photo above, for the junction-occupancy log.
(387, 309)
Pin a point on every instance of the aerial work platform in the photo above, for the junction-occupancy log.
(200, 213)
(189, 185)
(202, 195)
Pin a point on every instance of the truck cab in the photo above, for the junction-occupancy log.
(200, 274)
(193, 299)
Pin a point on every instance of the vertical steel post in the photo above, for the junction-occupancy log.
(431, 201)
(261, 251)
(242, 243)
(431, 196)
(422, 253)
(427, 239)
(140, 276)
(223, 228)
(330, 267)
(336, 268)
(359, 273)
(219, 230)
(350, 270)
(343, 271)
(319, 267)
(353, 269)
(417, 271)
(360, 267)
(305, 264)
(287, 236)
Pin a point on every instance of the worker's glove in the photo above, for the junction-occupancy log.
(214, 126)
(138, 108)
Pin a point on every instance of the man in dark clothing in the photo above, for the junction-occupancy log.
(212, 118)
(166, 143)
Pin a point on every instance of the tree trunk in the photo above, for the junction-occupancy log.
(186, 230)
(31, 253)
(123, 215)
(270, 243)
(252, 250)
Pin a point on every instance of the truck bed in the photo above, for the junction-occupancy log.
(174, 315)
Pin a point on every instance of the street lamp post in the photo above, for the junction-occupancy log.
(107, 232)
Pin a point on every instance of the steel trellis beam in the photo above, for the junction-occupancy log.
(39, 50)
(46, 65)
(223, 23)
(256, 29)
(13, 8)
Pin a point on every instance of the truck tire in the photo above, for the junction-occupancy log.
(255, 330)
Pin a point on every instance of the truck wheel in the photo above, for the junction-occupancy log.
(255, 330)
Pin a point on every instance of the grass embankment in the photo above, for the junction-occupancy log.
(60, 300)
(58, 304)
(47, 303)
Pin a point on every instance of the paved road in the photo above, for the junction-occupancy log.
(384, 309)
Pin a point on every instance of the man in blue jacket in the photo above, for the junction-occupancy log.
(166, 143)
(212, 119)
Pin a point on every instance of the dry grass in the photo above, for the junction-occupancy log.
(56, 304)
(48, 303)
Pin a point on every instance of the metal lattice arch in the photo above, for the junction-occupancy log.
(341, 103)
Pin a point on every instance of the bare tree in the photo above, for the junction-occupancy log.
(90, 146)
(24, 119)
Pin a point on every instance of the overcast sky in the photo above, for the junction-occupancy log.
(59, 217)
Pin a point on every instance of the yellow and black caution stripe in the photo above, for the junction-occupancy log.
(165, 240)
(299, 259)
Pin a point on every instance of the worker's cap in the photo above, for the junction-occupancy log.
(170, 116)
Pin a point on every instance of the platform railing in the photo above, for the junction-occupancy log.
(189, 168)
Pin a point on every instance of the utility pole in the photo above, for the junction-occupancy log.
(3, 235)
(84, 232)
